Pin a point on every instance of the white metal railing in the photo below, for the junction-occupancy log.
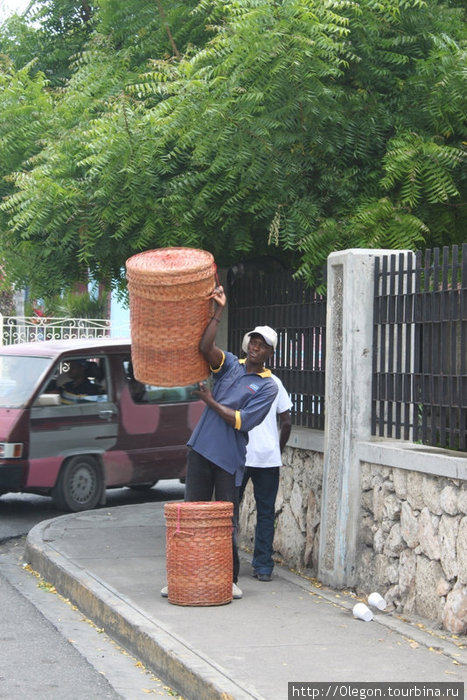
(25, 329)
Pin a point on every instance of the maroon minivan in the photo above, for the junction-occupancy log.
(74, 422)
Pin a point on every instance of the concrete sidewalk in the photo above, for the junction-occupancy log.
(111, 564)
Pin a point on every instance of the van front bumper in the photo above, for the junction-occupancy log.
(12, 475)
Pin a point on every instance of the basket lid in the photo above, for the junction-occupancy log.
(167, 261)
(200, 506)
(198, 509)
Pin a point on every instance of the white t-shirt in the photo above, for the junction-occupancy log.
(263, 448)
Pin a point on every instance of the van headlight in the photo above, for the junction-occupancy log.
(11, 450)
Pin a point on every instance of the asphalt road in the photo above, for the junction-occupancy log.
(38, 662)
(19, 512)
(50, 651)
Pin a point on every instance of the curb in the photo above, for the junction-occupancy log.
(189, 672)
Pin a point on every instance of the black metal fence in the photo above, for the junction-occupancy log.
(298, 313)
(420, 347)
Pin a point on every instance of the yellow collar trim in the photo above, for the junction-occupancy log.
(264, 373)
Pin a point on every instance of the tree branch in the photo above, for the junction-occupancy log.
(167, 28)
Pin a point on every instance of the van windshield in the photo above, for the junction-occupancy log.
(18, 377)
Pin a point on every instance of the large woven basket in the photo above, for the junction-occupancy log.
(169, 309)
(199, 552)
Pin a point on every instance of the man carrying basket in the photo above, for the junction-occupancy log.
(243, 392)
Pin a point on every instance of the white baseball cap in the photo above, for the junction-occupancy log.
(269, 335)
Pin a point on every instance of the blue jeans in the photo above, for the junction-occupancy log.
(265, 484)
(205, 479)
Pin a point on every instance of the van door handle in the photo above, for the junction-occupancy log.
(106, 415)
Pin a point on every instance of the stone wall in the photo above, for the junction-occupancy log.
(298, 503)
(412, 526)
(413, 543)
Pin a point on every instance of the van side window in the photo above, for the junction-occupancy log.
(147, 393)
(76, 380)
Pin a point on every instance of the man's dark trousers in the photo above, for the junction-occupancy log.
(205, 479)
(265, 485)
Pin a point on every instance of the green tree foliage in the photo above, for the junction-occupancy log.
(48, 36)
(247, 126)
(82, 305)
(26, 109)
(153, 28)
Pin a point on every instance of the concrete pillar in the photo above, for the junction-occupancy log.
(349, 348)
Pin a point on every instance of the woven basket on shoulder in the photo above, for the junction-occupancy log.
(169, 309)
(199, 552)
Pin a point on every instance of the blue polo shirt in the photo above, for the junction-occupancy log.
(251, 396)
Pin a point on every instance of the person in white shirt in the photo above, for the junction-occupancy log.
(263, 461)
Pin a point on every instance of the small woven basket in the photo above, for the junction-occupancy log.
(199, 552)
(169, 310)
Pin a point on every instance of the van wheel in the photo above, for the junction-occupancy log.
(79, 485)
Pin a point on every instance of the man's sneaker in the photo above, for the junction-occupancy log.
(236, 592)
(165, 592)
(262, 577)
